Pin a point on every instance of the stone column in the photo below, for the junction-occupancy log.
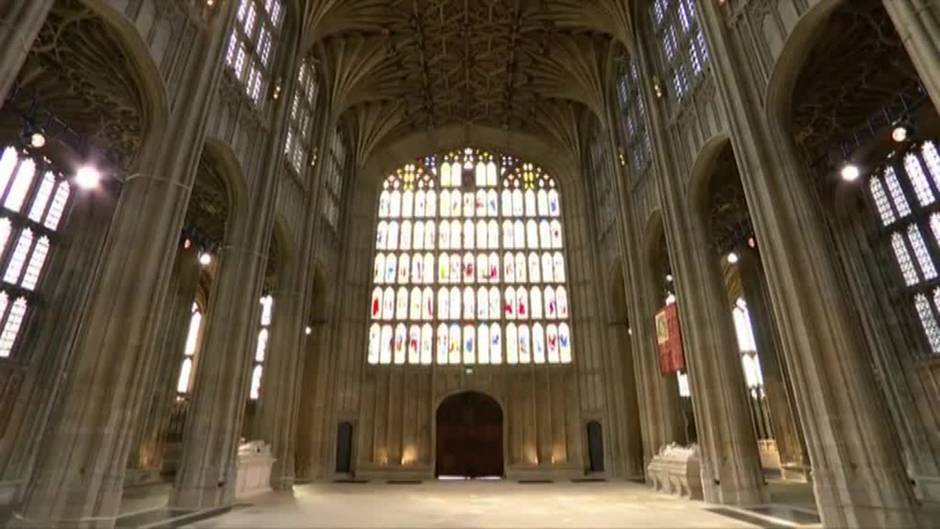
(787, 433)
(670, 423)
(207, 472)
(731, 471)
(20, 22)
(858, 473)
(79, 475)
(918, 24)
(280, 398)
(148, 455)
(658, 398)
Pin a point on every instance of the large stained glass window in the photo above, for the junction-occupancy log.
(905, 193)
(470, 265)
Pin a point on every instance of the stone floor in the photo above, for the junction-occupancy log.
(474, 504)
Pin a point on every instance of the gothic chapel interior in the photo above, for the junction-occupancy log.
(412, 263)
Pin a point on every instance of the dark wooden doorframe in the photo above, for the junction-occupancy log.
(469, 436)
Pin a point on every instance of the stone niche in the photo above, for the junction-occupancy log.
(254, 468)
(677, 470)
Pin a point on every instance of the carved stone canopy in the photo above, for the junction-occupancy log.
(208, 209)
(78, 72)
(729, 221)
(856, 70)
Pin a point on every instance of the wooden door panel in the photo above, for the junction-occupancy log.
(469, 436)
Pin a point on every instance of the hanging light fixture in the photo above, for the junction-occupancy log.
(900, 133)
(37, 140)
(88, 177)
(732, 257)
(205, 258)
(850, 172)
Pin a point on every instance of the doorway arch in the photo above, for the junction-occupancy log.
(469, 436)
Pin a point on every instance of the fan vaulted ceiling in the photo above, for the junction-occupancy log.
(393, 67)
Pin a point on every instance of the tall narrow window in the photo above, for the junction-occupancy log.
(185, 381)
(904, 195)
(33, 199)
(636, 140)
(601, 182)
(261, 346)
(751, 366)
(682, 49)
(333, 180)
(299, 141)
(250, 51)
(487, 282)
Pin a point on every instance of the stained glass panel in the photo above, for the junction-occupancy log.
(485, 208)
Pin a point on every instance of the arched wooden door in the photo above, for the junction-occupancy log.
(469, 436)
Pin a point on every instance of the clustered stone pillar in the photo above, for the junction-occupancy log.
(658, 400)
(858, 474)
(148, 452)
(918, 24)
(731, 471)
(20, 22)
(280, 399)
(787, 434)
(207, 475)
(670, 424)
(79, 475)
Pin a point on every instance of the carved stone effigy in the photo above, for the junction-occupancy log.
(676, 470)
(254, 468)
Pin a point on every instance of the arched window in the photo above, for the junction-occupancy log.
(751, 366)
(333, 179)
(251, 45)
(298, 146)
(261, 346)
(904, 192)
(683, 53)
(636, 139)
(34, 198)
(458, 312)
(185, 382)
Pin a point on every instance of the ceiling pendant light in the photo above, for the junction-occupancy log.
(37, 140)
(850, 172)
(87, 177)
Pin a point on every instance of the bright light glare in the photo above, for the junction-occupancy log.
(850, 172)
(205, 259)
(732, 258)
(899, 134)
(87, 177)
(37, 140)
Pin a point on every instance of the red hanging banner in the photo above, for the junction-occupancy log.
(669, 339)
